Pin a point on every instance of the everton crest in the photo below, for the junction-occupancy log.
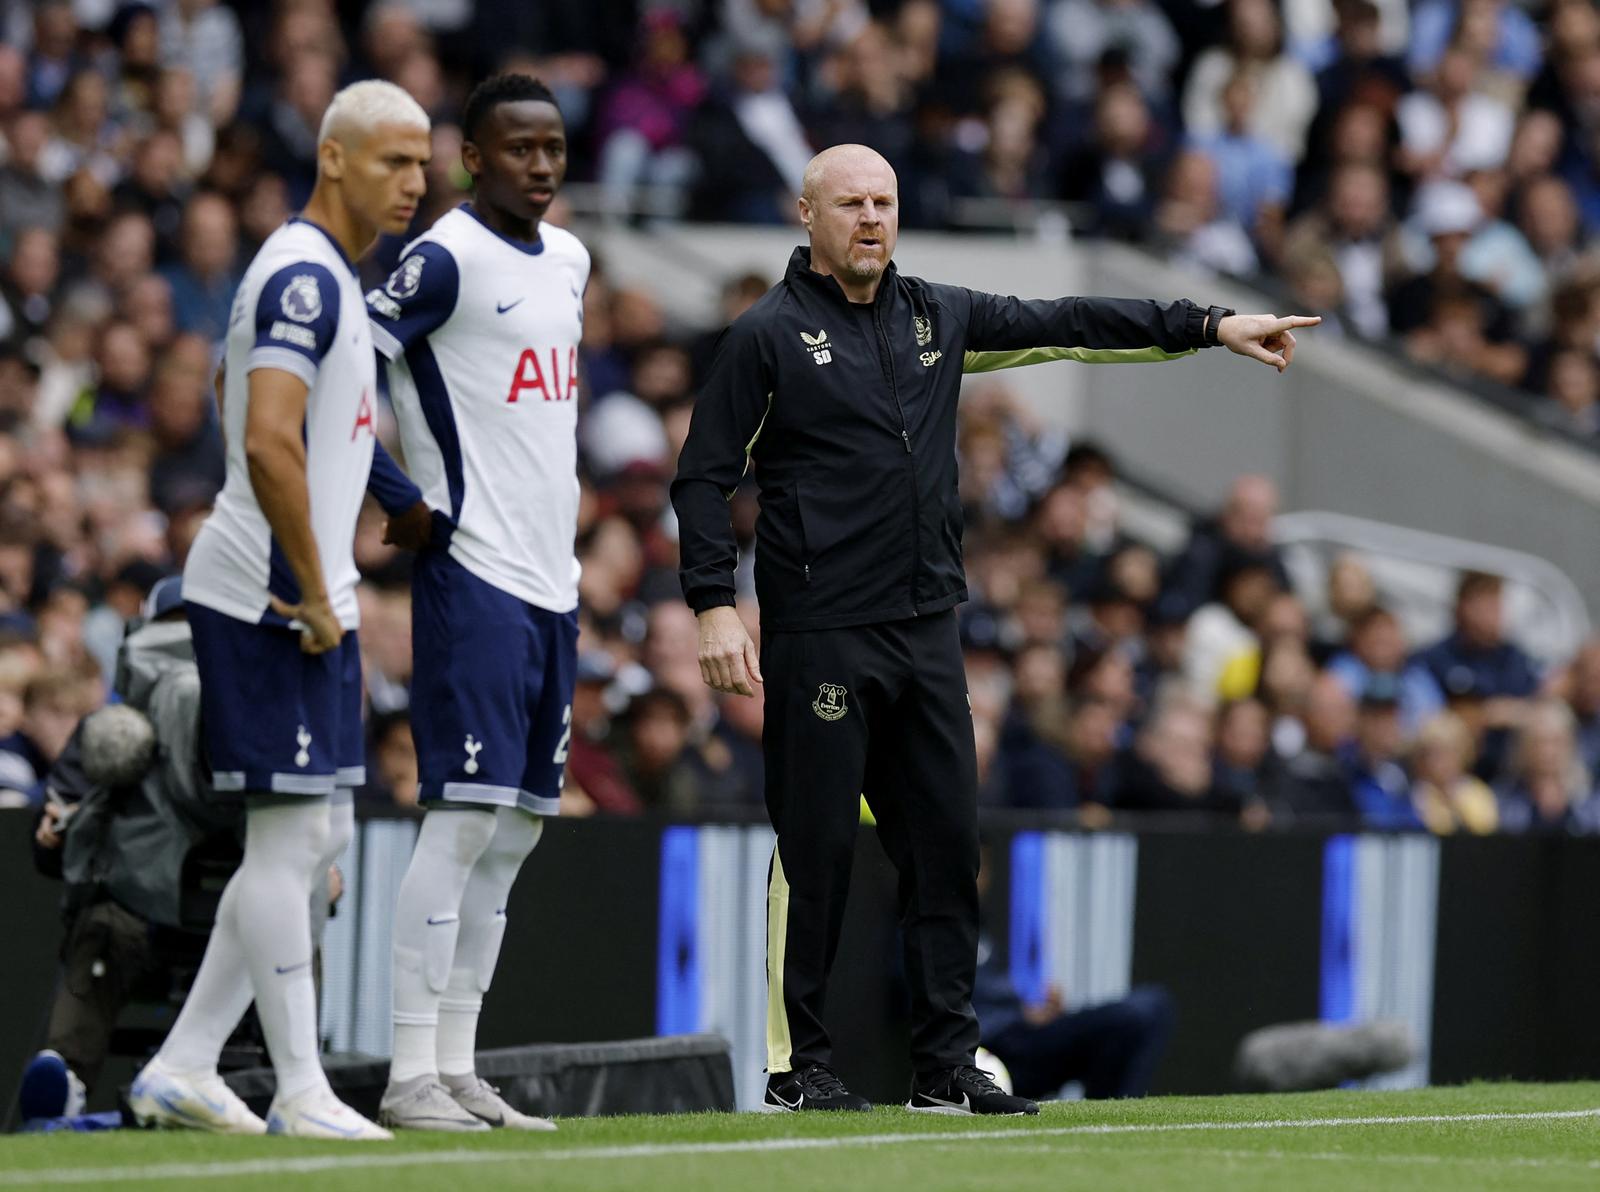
(829, 703)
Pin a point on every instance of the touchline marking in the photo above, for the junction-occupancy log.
(307, 1164)
(1198, 1152)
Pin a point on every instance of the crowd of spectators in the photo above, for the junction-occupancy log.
(1423, 174)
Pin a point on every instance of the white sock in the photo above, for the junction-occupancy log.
(483, 926)
(284, 843)
(426, 920)
(341, 830)
(218, 998)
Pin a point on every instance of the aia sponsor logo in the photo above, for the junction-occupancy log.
(364, 417)
(542, 373)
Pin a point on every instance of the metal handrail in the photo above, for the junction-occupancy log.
(1545, 611)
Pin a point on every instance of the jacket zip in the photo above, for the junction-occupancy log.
(911, 459)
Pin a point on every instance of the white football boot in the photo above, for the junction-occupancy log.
(422, 1103)
(189, 1101)
(317, 1113)
(483, 1101)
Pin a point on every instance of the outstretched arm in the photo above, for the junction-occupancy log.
(1005, 332)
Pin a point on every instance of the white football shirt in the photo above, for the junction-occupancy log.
(299, 309)
(482, 333)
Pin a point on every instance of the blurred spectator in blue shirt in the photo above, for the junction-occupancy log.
(1253, 177)
(1507, 36)
(1477, 658)
(1377, 648)
(1380, 785)
(54, 56)
(1286, 94)
(203, 284)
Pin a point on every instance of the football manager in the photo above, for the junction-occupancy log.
(840, 385)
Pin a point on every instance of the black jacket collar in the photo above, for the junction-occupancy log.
(800, 273)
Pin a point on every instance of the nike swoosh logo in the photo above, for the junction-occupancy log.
(175, 1109)
(795, 1104)
(347, 1131)
(500, 310)
(964, 1103)
(282, 970)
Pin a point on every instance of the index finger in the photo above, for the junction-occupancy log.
(281, 606)
(1289, 321)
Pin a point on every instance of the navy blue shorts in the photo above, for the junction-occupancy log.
(491, 690)
(275, 718)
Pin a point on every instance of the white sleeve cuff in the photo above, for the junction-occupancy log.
(284, 359)
(385, 342)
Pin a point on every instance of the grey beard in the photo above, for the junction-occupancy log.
(871, 272)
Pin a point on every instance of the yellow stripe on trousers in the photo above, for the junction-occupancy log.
(779, 1045)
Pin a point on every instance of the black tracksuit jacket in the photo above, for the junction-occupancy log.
(848, 412)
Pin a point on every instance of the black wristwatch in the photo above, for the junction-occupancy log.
(1214, 317)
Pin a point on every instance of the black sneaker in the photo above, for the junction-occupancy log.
(965, 1090)
(812, 1087)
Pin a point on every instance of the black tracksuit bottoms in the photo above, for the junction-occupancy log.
(881, 711)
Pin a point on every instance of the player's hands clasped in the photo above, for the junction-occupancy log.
(1266, 338)
(320, 630)
(729, 661)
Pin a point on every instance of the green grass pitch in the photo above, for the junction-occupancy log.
(1478, 1138)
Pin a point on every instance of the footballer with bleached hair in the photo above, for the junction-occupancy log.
(270, 585)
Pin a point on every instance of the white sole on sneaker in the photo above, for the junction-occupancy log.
(157, 1098)
(325, 1117)
(952, 1111)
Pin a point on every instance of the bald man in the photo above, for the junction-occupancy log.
(840, 385)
